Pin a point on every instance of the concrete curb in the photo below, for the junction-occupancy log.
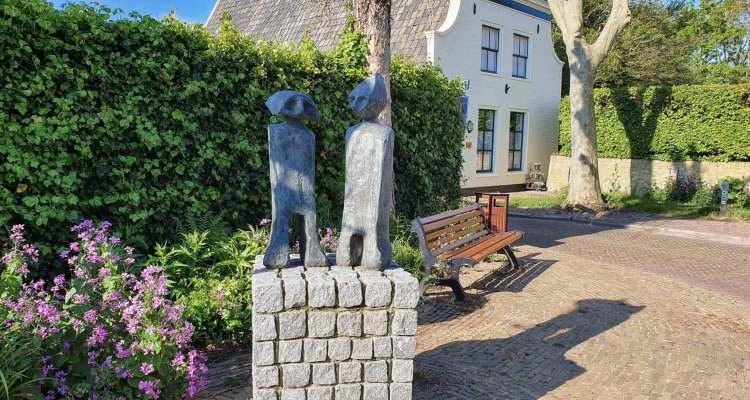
(683, 233)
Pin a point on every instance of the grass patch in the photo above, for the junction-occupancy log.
(539, 201)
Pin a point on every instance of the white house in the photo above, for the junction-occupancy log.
(502, 49)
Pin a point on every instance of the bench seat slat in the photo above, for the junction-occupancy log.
(461, 217)
(454, 228)
(481, 235)
(489, 247)
(447, 214)
(457, 236)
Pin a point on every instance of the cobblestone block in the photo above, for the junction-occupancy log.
(320, 393)
(402, 371)
(321, 290)
(404, 347)
(352, 391)
(324, 374)
(267, 292)
(348, 288)
(264, 353)
(378, 289)
(376, 371)
(381, 347)
(350, 372)
(349, 323)
(405, 289)
(264, 327)
(290, 351)
(265, 377)
(375, 322)
(400, 391)
(292, 324)
(265, 394)
(321, 324)
(295, 375)
(375, 391)
(362, 349)
(339, 349)
(295, 292)
(404, 323)
(316, 350)
(293, 394)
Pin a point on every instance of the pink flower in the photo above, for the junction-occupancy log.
(147, 368)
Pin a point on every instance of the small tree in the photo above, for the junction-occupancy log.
(584, 59)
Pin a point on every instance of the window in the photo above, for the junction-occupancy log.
(485, 140)
(490, 48)
(515, 149)
(520, 55)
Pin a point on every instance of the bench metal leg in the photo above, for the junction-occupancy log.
(455, 285)
(511, 257)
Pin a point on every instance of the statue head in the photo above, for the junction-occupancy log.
(369, 98)
(293, 105)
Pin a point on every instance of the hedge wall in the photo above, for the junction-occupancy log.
(709, 122)
(156, 125)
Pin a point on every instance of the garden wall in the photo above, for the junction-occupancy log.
(161, 128)
(638, 177)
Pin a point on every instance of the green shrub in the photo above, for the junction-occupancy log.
(710, 122)
(737, 196)
(19, 363)
(153, 125)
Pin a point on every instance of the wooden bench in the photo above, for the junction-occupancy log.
(457, 238)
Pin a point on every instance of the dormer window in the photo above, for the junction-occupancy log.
(490, 48)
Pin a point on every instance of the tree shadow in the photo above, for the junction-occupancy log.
(524, 366)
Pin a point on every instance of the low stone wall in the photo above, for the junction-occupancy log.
(640, 176)
(325, 333)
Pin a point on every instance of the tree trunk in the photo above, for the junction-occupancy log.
(584, 187)
(374, 19)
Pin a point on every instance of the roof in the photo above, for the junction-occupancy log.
(287, 21)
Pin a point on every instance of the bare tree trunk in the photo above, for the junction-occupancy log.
(374, 19)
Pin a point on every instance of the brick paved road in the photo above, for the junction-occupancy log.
(614, 314)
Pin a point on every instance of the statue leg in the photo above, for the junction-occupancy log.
(277, 253)
(343, 253)
(310, 248)
(371, 255)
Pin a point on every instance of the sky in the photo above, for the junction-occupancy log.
(186, 10)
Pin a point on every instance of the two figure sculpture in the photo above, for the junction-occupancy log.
(368, 199)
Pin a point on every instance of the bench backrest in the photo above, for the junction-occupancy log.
(446, 233)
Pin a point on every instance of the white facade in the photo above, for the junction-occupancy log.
(457, 46)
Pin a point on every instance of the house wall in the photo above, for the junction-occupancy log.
(456, 48)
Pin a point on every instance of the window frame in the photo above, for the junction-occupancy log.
(518, 56)
(487, 50)
(516, 149)
(482, 133)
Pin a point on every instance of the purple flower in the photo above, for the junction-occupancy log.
(150, 388)
(147, 368)
(264, 222)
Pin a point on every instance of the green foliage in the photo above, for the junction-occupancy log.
(738, 194)
(710, 123)
(153, 124)
(19, 361)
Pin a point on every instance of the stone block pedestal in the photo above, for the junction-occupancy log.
(337, 333)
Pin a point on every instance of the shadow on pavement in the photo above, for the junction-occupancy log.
(525, 366)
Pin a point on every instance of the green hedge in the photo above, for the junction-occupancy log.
(159, 127)
(709, 123)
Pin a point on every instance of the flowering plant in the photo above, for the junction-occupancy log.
(103, 333)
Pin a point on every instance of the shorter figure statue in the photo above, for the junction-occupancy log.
(368, 198)
(291, 149)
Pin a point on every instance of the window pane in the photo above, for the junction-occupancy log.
(485, 36)
(521, 68)
(515, 66)
(524, 46)
(484, 60)
(493, 39)
(516, 45)
(492, 62)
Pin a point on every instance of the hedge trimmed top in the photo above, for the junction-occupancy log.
(159, 127)
(710, 123)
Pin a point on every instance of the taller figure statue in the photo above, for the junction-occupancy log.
(291, 149)
(368, 198)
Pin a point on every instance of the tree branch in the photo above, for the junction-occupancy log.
(569, 17)
(616, 23)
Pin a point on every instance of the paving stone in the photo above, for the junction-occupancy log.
(404, 347)
(293, 394)
(362, 348)
(264, 353)
(290, 351)
(381, 347)
(349, 323)
(350, 372)
(376, 371)
(321, 289)
(351, 391)
(321, 324)
(295, 375)
(404, 323)
(265, 394)
(375, 391)
(292, 324)
(378, 289)
(320, 393)
(339, 349)
(402, 370)
(400, 391)
(265, 377)
(316, 350)
(264, 327)
(267, 294)
(295, 292)
(324, 374)
(376, 322)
